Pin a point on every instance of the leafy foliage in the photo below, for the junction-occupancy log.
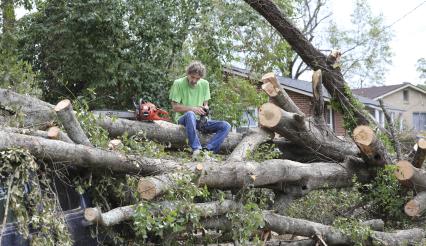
(33, 203)
(264, 152)
(358, 232)
(239, 95)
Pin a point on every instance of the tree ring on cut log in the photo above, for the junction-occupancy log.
(421, 143)
(363, 135)
(53, 132)
(147, 189)
(412, 208)
(270, 89)
(269, 115)
(62, 105)
(92, 214)
(405, 170)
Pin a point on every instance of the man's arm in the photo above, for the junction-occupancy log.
(183, 109)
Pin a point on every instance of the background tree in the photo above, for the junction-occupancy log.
(421, 68)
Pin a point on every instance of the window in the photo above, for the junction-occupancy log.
(249, 118)
(405, 96)
(329, 117)
(419, 121)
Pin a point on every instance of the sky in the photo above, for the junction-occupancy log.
(409, 41)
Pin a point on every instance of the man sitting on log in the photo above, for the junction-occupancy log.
(189, 96)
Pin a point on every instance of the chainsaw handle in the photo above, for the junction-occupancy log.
(162, 111)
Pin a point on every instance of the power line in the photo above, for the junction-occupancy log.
(389, 26)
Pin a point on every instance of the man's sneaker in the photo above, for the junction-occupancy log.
(196, 154)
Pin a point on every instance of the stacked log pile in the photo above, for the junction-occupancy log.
(334, 161)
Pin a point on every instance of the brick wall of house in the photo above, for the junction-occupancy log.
(304, 102)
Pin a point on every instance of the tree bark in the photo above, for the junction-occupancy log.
(37, 114)
(38, 133)
(420, 155)
(249, 143)
(332, 236)
(411, 176)
(276, 174)
(117, 215)
(318, 99)
(278, 95)
(372, 151)
(392, 131)
(85, 156)
(42, 115)
(163, 132)
(304, 133)
(66, 115)
(416, 206)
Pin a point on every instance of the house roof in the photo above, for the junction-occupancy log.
(377, 92)
(305, 87)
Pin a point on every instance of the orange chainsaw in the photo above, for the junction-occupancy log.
(146, 111)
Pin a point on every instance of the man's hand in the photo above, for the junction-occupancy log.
(198, 110)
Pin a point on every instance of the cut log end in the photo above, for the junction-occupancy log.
(363, 135)
(147, 189)
(269, 115)
(405, 170)
(62, 105)
(53, 132)
(412, 208)
(421, 143)
(199, 167)
(114, 144)
(269, 89)
(92, 214)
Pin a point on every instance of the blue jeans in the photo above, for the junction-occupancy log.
(221, 128)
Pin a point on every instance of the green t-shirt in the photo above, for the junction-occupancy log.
(182, 93)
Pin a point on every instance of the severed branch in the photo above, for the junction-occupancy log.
(420, 154)
(50, 134)
(372, 151)
(249, 143)
(411, 176)
(304, 133)
(276, 174)
(392, 131)
(416, 206)
(85, 156)
(318, 99)
(67, 117)
(278, 95)
(117, 215)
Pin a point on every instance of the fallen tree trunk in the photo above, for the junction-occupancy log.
(117, 215)
(332, 236)
(36, 113)
(275, 174)
(41, 115)
(163, 132)
(416, 206)
(249, 143)
(317, 98)
(420, 155)
(66, 115)
(84, 156)
(332, 77)
(372, 151)
(304, 133)
(411, 176)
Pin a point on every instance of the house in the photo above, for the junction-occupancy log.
(300, 92)
(411, 99)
